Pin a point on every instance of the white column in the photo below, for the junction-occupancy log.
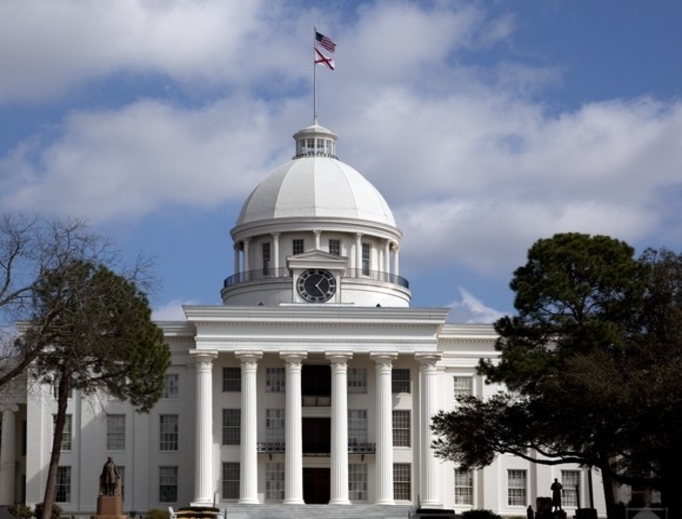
(245, 257)
(203, 471)
(317, 234)
(387, 257)
(396, 259)
(339, 454)
(428, 404)
(358, 253)
(275, 252)
(8, 454)
(237, 270)
(248, 452)
(384, 432)
(293, 453)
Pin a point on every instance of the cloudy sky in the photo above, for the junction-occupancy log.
(485, 124)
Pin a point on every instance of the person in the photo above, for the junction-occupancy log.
(109, 477)
(556, 495)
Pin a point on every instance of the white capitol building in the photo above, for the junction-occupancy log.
(313, 383)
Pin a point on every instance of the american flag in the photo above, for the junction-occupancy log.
(325, 42)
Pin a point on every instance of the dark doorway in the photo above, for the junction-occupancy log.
(317, 436)
(316, 486)
(316, 380)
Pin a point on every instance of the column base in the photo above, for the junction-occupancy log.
(249, 501)
(293, 502)
(385, 502)
(339, 502)
(201, 502)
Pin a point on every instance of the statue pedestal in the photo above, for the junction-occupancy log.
(110, 507)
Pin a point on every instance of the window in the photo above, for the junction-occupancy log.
(265, 247)
(570, 479)
(232, 379)
(67, 433)
(400, 381)
(357, 380)
(365, 259)
(168, 432)
(231, 480)
(232, 420)
(463, 386)
(274, 380)
(516, 488)
(402, 481)
(401, 428)
(274, 481)
(116, 432)
(172, 386)
(297, 246)
(63, 488)
(274, 425)
(357, 481)
(464, 487)
(357, 426)
(168, 484)
(335, 247)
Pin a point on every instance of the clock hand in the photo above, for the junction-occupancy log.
(317, 285)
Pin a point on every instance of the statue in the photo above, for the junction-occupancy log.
(109, 481)
(556, 495)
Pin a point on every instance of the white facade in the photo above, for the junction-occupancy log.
(314, 382)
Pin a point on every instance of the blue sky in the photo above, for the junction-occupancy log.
(485, 124)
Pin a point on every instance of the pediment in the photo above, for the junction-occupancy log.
(317, 259)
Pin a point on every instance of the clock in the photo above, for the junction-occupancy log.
(316, 285)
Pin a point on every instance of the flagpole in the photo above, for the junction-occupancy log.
(314, 78)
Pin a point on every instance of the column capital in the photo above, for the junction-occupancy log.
(12, 408)
(358, 235)
(338, 358)
(249, 359)
(293, 359)
(317, 232)
(204, 358)
(428, 359)
(275, 234)
(383, 359)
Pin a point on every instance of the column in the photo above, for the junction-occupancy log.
(384, 432)
(245, 259)
(275, 252)
(358, 254)
(248, 452)
(237, 270)
(387, 257)
(203, 475)
(317, 233)
(396, 259)
(339, 454)
(293, 454)
(428, 404)
(8, 454)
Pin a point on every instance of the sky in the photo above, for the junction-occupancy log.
(486, 125)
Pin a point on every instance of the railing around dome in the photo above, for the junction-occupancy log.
(250, 276)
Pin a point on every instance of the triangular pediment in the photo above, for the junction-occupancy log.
(317, 259)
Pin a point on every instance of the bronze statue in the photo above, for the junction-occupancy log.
(556, 495)
(109, 480)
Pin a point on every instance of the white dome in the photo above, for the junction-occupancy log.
(316, 184)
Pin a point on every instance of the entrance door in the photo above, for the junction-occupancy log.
(316, 486)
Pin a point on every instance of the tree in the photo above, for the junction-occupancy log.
(589, 364)
(30, 246)
(93, 330)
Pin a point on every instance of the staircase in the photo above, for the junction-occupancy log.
(235, 511)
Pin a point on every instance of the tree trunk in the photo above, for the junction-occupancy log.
(609, 487)
(60, 420)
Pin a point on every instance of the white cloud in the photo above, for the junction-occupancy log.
(470, 310)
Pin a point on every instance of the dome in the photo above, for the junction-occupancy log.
(316, 184)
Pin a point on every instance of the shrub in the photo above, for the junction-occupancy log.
(56, 511)
(480, 514)
(157, 513)
(20, 511)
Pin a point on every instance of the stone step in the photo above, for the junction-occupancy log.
(279, 511)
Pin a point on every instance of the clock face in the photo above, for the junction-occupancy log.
(316, 285)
